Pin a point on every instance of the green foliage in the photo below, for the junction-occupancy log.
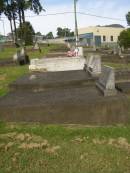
(65, 32)
(128, 18)
(38, 34)
(124, 38)
(50, 35)
(1, 6)
(26, 32)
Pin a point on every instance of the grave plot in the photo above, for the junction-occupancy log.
(66, 106)
(62, 97)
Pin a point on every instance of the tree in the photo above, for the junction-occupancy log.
(23, 5)
(50, 35)
(128, 18)
(1, 6)
(65, 32)
(124, 38)
(59, 32)
(38, 34)
(27, 33)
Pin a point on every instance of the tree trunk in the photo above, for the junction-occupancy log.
(11, 27)
(23, 15)
(20, 17)
(15, 30)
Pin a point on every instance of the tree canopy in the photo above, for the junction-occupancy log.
(27, 33)
(64, 32)
(49, 35)
(15, 9)
(128, 18)
(124, 38)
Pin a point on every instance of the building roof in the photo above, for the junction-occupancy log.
(114, 26)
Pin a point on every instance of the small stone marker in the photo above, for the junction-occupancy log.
(21, 57)
(32, 77)
(93, 65)
(106, 81)
(115, 51)
(36, 47)
(80, 51)
(16, 56)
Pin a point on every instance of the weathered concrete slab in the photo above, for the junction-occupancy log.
(57, 64)
(71, 106)
(45, 81)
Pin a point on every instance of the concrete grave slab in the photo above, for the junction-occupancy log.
(57, 64)
(52, 80)
(65, 106)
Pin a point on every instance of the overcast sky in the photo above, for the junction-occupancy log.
(45, 24)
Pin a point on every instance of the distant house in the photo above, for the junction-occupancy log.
(100, 35)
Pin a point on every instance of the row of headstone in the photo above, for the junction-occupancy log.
(21, 57)
(93, 65)
(105, 74)
(118, 50)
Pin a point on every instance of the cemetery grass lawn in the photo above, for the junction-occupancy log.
(9, 52)
(8, 75)
(67, 149)
(118, 65)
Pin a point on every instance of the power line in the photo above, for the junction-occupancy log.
(81, 13)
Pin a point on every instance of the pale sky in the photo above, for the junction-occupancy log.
(45, 24)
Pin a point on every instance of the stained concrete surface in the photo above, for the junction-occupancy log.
(64, 98)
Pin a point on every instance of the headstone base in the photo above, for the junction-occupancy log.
(106, 92)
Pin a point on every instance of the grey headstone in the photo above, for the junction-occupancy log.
(106, 81)
(93, 65)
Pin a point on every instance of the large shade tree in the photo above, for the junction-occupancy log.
(124, 38)
(15, 9)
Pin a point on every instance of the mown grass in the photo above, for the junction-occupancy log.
(81, 149)
(10, 74)
(8, 52)
(117, 65)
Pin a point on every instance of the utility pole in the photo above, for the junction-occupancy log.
(76, 25)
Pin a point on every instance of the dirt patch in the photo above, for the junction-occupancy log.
(27, 141)
(118, 143)
(2, 77)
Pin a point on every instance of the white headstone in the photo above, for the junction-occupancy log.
(36, 47)
(16, 56)
(80, 51)
(22, 53)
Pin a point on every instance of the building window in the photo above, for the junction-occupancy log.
(111, 38)
(104, 38)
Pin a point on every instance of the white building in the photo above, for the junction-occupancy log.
(100, 35)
